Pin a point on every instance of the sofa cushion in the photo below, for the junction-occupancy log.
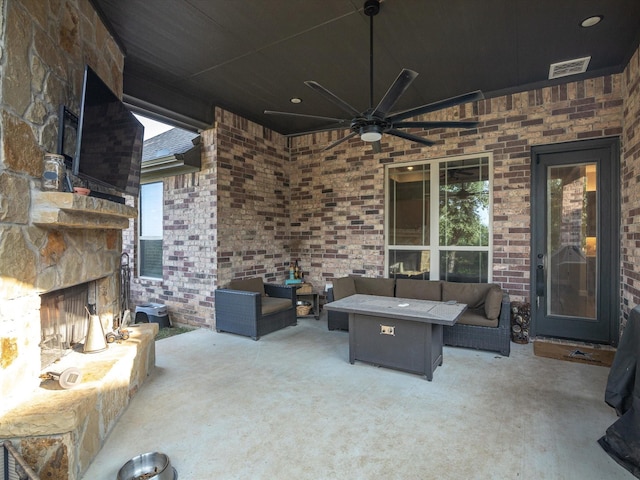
(473, 294)
(274, 304)
(476, 316)
(343, 287)
(375, 286)
(493, 302)
(248, 285)
(420, 289)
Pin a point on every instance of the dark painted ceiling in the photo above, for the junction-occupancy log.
(185, 56)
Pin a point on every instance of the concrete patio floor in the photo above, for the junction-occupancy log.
(290, 406)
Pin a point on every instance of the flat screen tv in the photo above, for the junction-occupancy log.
(109, 138)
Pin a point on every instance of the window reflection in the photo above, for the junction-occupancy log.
(572, 242)
(464, 203)
(409, 205)
(448, 238)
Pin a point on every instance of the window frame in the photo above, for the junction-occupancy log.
(142, 237)
(434, 248)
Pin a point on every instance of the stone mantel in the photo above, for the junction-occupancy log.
(70, 210)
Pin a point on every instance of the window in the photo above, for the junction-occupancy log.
(438, 220)
(150, 222)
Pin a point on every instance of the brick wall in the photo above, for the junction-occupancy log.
(229, 220)
(253, 200)
(269, 201)
(337, 197)
(189, 244)
(630, 175)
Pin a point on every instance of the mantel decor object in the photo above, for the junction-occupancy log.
(53, 172)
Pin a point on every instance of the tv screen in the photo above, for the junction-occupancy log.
(109, 139)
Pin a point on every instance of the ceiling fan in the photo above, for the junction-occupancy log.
(373, 122)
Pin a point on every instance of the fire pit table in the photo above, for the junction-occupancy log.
(400, 333)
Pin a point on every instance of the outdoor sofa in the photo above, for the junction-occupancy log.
(253, 308)
(485, 325)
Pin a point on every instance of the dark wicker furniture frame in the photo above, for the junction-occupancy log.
(240, 312)
(493, 339)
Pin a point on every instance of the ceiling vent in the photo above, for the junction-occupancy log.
(570, 67)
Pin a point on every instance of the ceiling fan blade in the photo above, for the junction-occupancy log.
(427, 125)
(332, 98)
(397, 88)
(439, 105)
(409, 136)
(304, 115)
(338, 142)
(317, 130)
(377, 148)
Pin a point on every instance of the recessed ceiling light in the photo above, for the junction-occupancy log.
(295, 100)
(591, 21)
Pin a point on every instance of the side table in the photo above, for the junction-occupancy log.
(314, 299)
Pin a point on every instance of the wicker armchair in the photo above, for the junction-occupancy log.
(253, 308)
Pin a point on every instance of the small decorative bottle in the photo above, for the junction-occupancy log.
(53, 172)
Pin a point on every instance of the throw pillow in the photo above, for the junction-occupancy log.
(343, 287)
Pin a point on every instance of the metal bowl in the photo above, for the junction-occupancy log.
(148, 466)
(303, 303)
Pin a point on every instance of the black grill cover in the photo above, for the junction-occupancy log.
(622, 439)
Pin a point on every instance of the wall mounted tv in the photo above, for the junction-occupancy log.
(109, 138)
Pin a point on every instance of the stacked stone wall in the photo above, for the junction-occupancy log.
(44, 46)
(337, 197)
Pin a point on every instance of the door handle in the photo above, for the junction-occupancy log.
(540, 276)
(540, 281)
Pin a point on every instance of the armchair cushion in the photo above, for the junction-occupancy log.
(419, 289)
(273, 305)
(375, 286)
(248, 285)
(343, 287)
(493, 302)
(473, 294)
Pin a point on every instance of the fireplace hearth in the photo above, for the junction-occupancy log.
(58, 431)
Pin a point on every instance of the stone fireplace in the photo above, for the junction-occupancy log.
(73, 244)
(72, 240)
(54, 240)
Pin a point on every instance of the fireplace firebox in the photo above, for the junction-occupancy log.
(63, 318)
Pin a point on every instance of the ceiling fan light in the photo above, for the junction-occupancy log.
(370, 133)
(591, 21)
